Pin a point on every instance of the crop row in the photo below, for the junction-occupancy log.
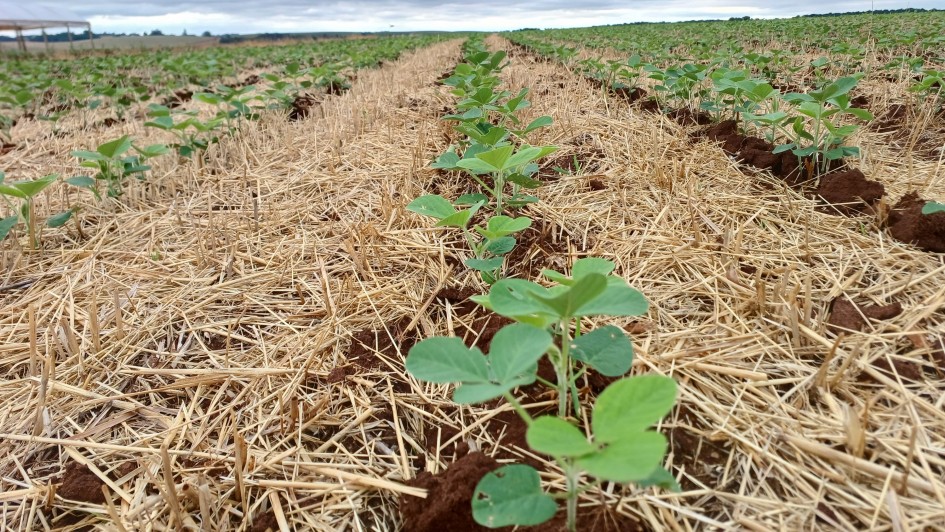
(47, 89)
(549, 323)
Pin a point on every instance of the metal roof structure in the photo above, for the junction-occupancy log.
(18, 17)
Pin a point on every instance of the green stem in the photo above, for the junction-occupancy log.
(519, 409)
(499, 185)
(563, 369)
(572, 477)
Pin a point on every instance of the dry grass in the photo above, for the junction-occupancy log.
(183, 348)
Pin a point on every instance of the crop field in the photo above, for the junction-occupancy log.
(641, 277)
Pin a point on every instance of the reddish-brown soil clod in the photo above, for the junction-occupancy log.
(79, 483)
(701, 459)
(896, 368)
(596, 185)
(302, 106)
(849, 192)
(6, 147)
(338, 374)
(631, 95)
(908, 224)
(449, 501)
(336, 89)
(449, 496)
(754, 151)
(252, 79)
(179, 98)
(650, 106)
(937, 356)
(265, 522)
(845, 315)
(860, 102)
(687, 117)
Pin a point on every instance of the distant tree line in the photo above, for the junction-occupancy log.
(874, 12)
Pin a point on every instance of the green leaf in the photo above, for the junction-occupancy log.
(161, 122)
(115, 147)
(662, 478)
(495, 159)
(633, 458)
(517, 297)
(472, 199)
(523, 180)
(446, 161)
(556, 437)
(7, 224)
(933, 207)
(617, 300)
(631, 405)
(431, 205)
(527, 155)
(59, 219)
(516, 349)
(499, 226)
(588, 265)
(457, 219)
(446, 359)
(28, 189)
(471, 393)
(476, 166)
(484, 265)
(89, 155)
(582, 292)
(606, 349)
(511, 495)
(81, 181)
(500, 246)
(541, 121)
(153, 150)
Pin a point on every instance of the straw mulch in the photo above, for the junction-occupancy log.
(223, 349)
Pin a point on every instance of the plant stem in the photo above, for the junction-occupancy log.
(572, 478)
(519, 409)
(563, 369)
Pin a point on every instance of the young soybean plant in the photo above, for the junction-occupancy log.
(25, 191)
(488, 243)
(618, 446)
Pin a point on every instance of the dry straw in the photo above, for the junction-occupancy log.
(181, 349)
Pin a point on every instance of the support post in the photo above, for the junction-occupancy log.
(20, 41)
(46, 40)
(69, 33)
(91, 37)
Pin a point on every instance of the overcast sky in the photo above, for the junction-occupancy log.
(246, 16)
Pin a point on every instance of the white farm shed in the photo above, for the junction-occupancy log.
(26, 16)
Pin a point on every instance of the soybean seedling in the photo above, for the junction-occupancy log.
(618, 448)
(114, 165)
(817, 133)
(489, 244)
(24, 192)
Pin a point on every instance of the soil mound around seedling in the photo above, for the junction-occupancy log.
(908, 224)
(449, 496)
(845, 315)
(849, 192)
(449, 500)
(754, 151)
(687, 117)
